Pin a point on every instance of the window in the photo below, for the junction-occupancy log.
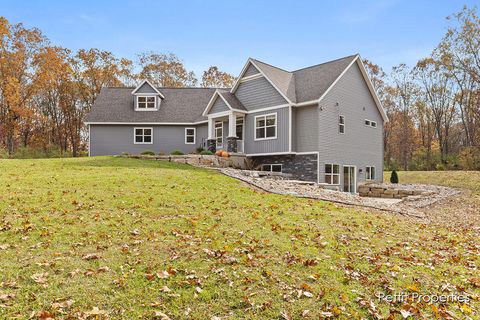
(332, 173)
(341, 124)
(272, 167)
(370, 173)
(239, 128)
(143, 135)
(219, 134)
(370, 123)
(266, 127)
(146, 102)
(189, 135)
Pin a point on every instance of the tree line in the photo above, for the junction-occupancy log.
(46, 91)
(433, 106)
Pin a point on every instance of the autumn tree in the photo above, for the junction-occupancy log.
(19, 76)
(214, 78)
(165, 70)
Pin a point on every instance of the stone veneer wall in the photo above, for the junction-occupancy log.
(301, 167)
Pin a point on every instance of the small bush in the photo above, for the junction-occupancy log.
(176, 153)
(147, 153)
(125, 154)
(469, 158)
(199, 150)
(206, 153)
(161, 153)
(394, 177)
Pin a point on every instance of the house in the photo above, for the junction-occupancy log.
(323, 123)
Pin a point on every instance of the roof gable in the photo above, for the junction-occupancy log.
(146, 87)
(227, 99)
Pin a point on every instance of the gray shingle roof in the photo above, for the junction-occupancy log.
(232, 100)
(179, 105)
(308, 83)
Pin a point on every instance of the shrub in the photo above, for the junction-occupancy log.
(206, 153)
(394, 177)
(147, 153)
(469, 158)
(161, 153)
(176, 153)
(125, 154)
(199, 150)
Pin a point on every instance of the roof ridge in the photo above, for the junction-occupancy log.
(203, 88)
(319, 64)
(268, 64)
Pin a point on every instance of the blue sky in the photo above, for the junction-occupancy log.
(288, 34)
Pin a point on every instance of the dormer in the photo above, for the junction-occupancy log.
(147, 97)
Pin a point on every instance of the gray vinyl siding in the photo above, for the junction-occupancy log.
(305, 133)
(251, 70)
(218, 106)
(360, 145)
(280, 144)
(258, 93)
(202, 134)
(145, 88)
(116, 139)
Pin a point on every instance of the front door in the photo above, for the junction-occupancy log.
(349, 179)
(219, 134)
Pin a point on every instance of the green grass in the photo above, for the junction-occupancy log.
(229, 251)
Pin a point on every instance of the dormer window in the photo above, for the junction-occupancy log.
(146, 102)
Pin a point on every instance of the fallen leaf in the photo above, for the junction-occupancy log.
(91, 256)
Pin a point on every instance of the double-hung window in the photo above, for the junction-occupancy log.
(146, 102)
(189, 135)
(341, 124)
(370, 173)
(266, 127)
(332, 173)
(143, 135)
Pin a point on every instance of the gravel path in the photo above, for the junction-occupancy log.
(411, 206)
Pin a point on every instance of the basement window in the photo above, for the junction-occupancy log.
(332, 173)
(272, 167)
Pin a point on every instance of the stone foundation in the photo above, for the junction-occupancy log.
(232, 144)
(300, 167)
(212, 145)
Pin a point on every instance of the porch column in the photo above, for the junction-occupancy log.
(211, 142)
(232, 135)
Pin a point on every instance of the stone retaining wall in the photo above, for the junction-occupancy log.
(379, 191)
(237, 162)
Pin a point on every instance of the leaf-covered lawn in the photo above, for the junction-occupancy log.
(123, 239)
(462, 211)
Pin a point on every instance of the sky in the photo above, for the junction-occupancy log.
(287, 34)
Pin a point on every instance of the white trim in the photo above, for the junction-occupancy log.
(237, 82)
(89, 141)
(155, 108)
(370, 123)
(151, 123)
(143, 135)
(252, 77)
(280, 106)
(290, 128)
(268, 154)
(151, 85)
(194, 135)
(266, 126)
(212, 102)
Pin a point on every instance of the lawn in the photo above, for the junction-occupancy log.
(126, 239)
